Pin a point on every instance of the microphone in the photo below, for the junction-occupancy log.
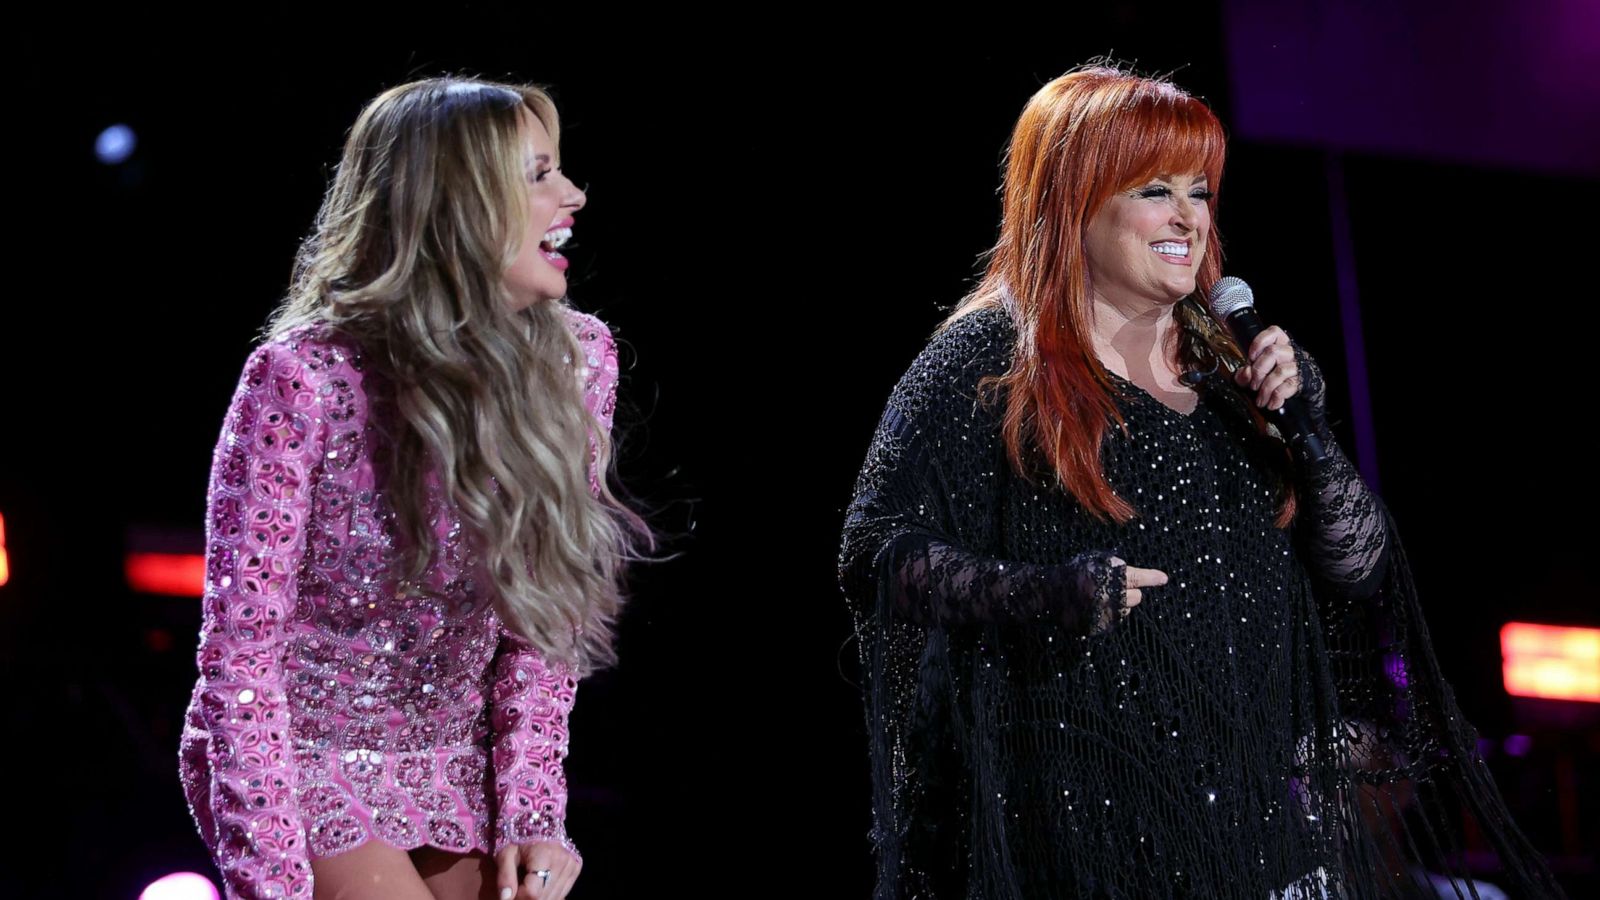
(1234, 303)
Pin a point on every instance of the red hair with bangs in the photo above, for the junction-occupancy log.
(1081, 139)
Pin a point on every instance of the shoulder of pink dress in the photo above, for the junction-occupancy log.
(329, 364)
(323, 350)
(314, 336)
(587, 326)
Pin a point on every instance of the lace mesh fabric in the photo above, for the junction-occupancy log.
(1269, 723)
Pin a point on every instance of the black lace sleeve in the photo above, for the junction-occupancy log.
(898, 547)
(1343, 530)
(933, 582)
(1399, 737)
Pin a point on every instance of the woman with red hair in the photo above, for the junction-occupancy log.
(1116, 641)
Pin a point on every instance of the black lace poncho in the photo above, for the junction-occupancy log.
(1270, 722)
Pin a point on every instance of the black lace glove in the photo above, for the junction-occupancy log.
(1346, 530)
(938, 583)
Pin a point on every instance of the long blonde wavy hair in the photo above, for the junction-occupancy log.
(424, 215)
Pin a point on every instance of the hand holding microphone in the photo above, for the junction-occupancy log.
(1271, 369)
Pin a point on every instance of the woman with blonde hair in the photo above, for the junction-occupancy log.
(412, 554)
(1115, 641)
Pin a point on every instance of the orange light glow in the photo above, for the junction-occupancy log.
(177, 574)
(5, 564)
(1551, 661)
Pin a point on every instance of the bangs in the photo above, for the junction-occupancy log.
(1162, 132)
(544, 109)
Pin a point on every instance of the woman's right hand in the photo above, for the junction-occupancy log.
(1137, 578)
(551, 869)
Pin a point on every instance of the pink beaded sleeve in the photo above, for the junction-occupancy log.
(532, 697)
(259, 503)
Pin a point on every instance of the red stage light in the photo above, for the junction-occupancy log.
(5, 564)
(176, 574)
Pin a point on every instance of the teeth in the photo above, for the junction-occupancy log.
(555, 237)
(1171, 249)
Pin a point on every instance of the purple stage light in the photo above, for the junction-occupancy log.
(1484, 82)
(115, 144)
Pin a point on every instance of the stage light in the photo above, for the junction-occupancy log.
(175, 574)
(180, 886)
(115, 144)
(1553, 662)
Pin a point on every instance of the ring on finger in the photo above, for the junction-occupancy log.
(544, 877)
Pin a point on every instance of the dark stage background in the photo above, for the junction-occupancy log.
(779, 214)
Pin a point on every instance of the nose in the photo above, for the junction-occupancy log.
(573, 197)
(1184, 213)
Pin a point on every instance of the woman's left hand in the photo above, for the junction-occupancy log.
(1271, 372)
(551, 870)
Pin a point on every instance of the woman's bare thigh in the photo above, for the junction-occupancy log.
(456, 876)
(372, 871)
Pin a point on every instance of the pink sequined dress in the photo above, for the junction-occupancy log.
(337, 704)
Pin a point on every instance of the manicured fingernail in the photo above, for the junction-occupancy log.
(507, 893)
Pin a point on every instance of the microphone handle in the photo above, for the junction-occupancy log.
(1294, 416)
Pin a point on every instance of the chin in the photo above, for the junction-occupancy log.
(545, 295)
(530, 302)
(553, 291)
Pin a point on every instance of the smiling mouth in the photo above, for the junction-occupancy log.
(555, 239)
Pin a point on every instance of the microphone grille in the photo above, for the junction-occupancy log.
(1229, 295)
